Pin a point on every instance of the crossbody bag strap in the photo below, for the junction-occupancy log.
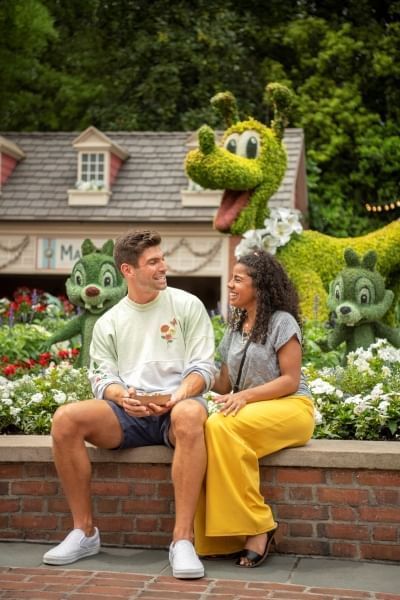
(236, 386)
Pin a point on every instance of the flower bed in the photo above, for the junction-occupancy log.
(359, 401)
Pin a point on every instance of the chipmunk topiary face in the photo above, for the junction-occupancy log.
(95, 283)
(358, 300)
(358, 293)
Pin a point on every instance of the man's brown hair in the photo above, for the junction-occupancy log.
(129, 247)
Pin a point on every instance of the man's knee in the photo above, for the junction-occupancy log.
(188, 417)
(66, 420)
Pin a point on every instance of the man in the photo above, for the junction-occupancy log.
(156, 339)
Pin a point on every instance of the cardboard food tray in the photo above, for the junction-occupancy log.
(159, 399)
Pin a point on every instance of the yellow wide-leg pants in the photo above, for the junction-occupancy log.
(230, 506)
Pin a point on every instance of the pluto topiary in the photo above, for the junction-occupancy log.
(249, 164)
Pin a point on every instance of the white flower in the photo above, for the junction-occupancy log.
(250, 242)
(377, 391)
(386, 371)
(270, 243)
(278, 229)
(389, 354)
(383, 406)
(36, 398)
(339, 393)
(363, 365)
(319, 386)
(59, 397)
(318, 417)
(7, 401)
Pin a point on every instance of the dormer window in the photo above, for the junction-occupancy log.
(92, 170)
(99, 160)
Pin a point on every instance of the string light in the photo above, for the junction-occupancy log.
(382, 207)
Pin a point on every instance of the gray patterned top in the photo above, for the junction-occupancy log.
(261, 364)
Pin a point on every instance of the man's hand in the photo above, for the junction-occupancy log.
(132, 405)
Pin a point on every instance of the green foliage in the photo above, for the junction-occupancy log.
(315, 348)
(22, 341)
(154, 65)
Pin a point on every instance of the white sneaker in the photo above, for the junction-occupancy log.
(75, 546)
(184, 561)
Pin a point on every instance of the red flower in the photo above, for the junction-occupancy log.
(30, 362)
(75, 351)
(39, 307)
(63, 354)
(44, 359)
(10, 370)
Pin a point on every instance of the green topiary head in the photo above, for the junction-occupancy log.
(358, 294)
(95, 283)
(248, 164)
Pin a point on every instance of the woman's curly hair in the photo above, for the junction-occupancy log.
(274, 291)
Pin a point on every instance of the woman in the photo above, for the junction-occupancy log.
(264, 406)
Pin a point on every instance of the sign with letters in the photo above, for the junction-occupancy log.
(60, 254)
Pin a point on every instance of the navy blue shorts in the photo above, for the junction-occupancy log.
(145, 431)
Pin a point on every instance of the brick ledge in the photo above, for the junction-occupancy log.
(342, 454)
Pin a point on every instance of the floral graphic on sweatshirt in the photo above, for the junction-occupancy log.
(168, 331)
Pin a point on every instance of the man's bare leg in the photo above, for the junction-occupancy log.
(95, 422)
(189, 463)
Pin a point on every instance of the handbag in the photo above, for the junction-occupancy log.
(236, 386)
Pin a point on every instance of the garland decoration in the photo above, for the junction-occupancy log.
(18, 249)
(207, 256)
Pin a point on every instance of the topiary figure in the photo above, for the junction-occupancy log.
(359, 300)
(95, 285)
(249, 164)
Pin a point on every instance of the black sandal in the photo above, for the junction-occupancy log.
(254, 559)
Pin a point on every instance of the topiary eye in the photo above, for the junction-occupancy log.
(249, 144)
(108, 276)
(231, 143)
(78, 277)
(252, 147)
(337, 292)
(108, 279)
(364, 296)
(232, 146)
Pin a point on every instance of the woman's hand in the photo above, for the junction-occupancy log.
(230, 404)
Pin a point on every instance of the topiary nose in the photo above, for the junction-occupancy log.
(92, 291)
(345, 310)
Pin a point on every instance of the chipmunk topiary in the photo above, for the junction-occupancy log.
(95, 285)
(359, 300)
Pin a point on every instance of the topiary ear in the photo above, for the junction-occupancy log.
(369, 260)
(225, 105)
(351, 258)
(108, 247)
(281, 100)
(87, 247)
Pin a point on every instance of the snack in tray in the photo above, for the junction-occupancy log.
(153, 398)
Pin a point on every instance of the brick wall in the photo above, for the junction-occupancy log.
(331, 498)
